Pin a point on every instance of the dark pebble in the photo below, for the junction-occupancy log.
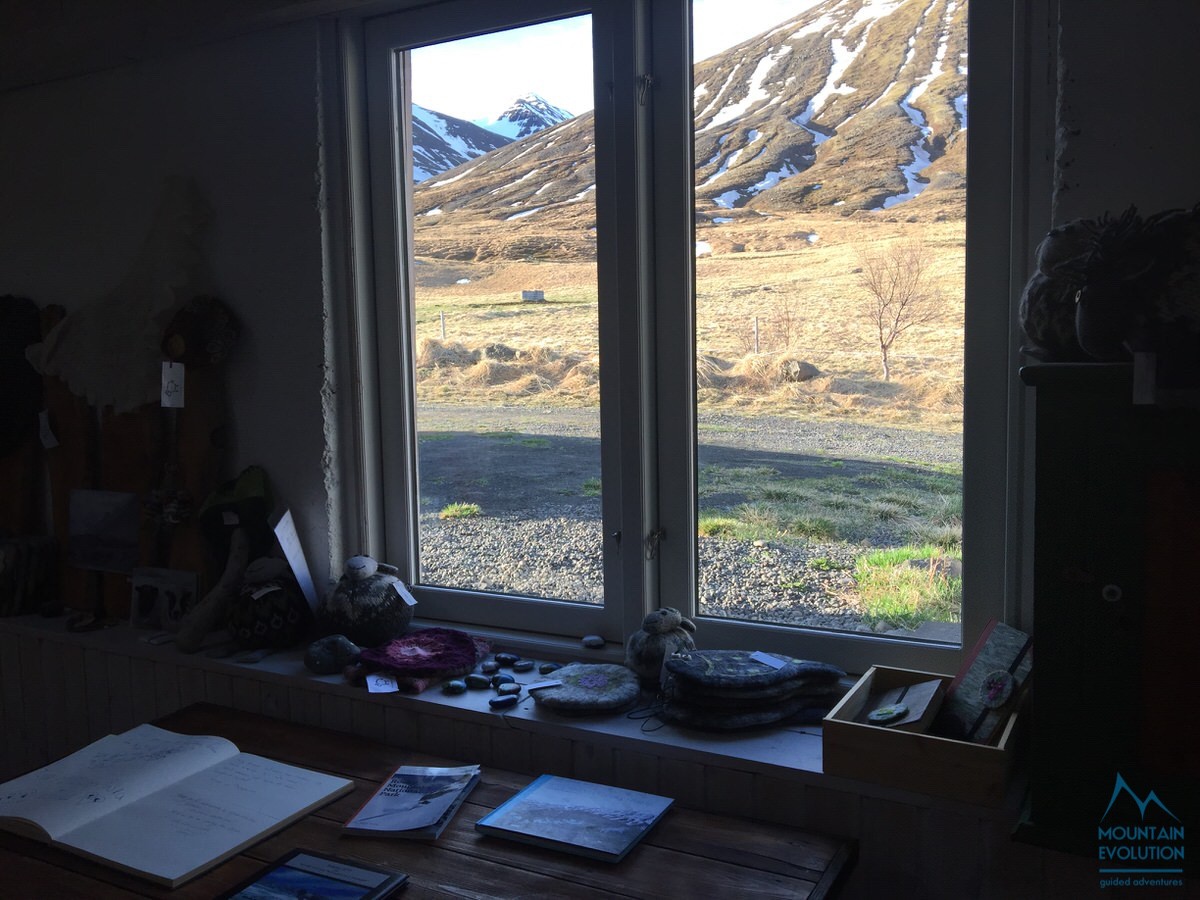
(593, 641)
(477, 682)
(510, 687)
(491, 667)
(506, 659)
(504, 702)
(500, 679)
(454, 686)
(523, 665)
(548, 667)
(330, 655)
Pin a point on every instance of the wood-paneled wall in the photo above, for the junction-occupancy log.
(59, 692)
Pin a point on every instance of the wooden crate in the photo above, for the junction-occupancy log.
(973, 773)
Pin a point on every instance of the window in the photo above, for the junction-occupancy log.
(554, 312)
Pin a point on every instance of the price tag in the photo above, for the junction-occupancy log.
(382, 684)
(768, 660)
(404, 593)
(172, 385)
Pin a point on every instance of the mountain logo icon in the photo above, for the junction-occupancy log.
(1121, 786)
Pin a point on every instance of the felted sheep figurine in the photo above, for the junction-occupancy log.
(664, 631)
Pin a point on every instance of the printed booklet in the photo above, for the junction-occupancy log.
(593, 820)
(306, 873)
(415, 802)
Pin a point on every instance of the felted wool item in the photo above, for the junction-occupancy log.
(739, 669)
(589, 688)
(718, 698)
(423, 658)
(794, 711)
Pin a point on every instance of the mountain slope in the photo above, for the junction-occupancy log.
(441, 142)
(853, 107)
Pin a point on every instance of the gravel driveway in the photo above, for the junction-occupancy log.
(541, 531)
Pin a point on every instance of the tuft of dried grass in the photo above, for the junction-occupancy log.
(435, 354)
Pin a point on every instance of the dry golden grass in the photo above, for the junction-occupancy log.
(796, 276)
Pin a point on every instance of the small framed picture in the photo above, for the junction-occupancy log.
(308, 874)
(161, 597)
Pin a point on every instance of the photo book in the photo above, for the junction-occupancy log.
(161, 805)
(593, 820)
(415, 802)
(305, 873)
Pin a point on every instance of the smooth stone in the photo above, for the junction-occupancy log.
(506, 659)
(329, 655)
(507, 688)
(547, 667)
(498, 680)
(504, 702)
(593, 641)
(477, 682)
(454, 686)
(522, 665)
(491, 667)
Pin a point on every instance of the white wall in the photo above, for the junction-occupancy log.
(1128, 128)
(82, 166)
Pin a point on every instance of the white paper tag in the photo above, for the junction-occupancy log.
(172, 385)
(289, 540)
(404, 593)
(45, 434)
(382, 684)
(768, 660)
(542, 684)
(263, 591)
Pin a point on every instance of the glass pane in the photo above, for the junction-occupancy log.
(507, 364)
(830, 148)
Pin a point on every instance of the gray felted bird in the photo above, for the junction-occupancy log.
(664, 631)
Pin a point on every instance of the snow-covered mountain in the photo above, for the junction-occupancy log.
(525, 116)
(853, 106)
(441, 142)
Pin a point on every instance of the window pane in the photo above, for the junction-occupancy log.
(830, 149)
(505, 302)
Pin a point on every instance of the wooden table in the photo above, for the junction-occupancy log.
(688, 853)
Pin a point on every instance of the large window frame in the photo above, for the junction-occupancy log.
(646, 258)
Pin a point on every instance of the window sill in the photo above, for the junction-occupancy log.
(280, 685)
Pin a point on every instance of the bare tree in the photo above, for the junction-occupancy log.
(900, 293)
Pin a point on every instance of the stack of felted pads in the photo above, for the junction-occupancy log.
(728, 690)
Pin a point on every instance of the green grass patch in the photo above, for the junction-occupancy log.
(718, 526)
(459, 511)
(903, 587)
(591, 487)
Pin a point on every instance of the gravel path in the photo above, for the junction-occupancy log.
(543, 539)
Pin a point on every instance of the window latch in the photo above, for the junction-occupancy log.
(653, 539)
(645, 82)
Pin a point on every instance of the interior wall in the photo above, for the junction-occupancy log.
(83, 159)
(1127, 132)
(83, 163)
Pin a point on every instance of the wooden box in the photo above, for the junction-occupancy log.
(938, 766)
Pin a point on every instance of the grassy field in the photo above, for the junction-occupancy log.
(772, 294)
(789, 288)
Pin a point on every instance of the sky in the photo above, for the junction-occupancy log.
(554, 59)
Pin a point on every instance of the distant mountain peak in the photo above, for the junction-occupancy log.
(528, 114)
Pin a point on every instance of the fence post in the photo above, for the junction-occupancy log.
(442, 317)
(756, 335)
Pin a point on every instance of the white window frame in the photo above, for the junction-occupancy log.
(650, 256)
